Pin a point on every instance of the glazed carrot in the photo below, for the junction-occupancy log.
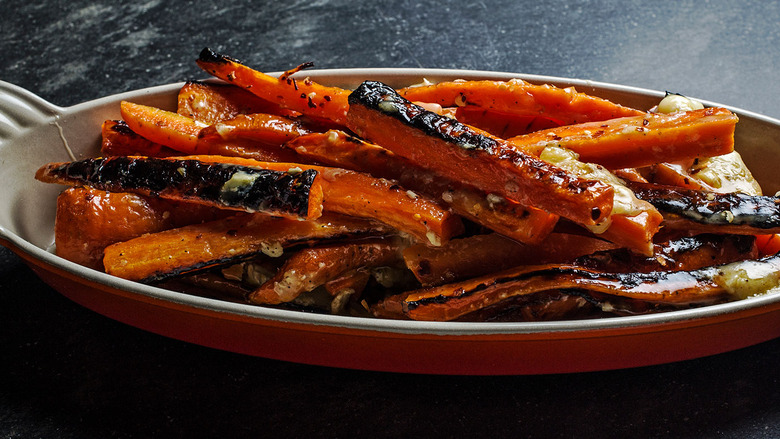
(724, 173)
(265, 129)
(288, 192)
(358, 194)
(164, 127)
(564, 105)
(212, 103)
(301, 95)
(500, 124)
(478, 255)
(312, 267)
(88, 220)
(705, 211)
(460, 153)
(159, 255)
(637, 141)
(118, 139)
(681, 288)
(336, 148)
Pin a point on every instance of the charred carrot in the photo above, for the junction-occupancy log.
(336, 148)
(564, 105)
(458, 152)
(159, 255)
(735, 213)
(637, 141)
(164, 127)
(358, 194)
(294, 193)
(301, 95)
(681, 288)
(119, 139)
(312, 267)
(212, 103)
(478, 255)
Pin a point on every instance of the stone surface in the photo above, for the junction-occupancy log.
(69, 373)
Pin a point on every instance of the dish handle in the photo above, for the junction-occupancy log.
(21, 110)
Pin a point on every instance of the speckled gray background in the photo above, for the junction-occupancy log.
(66, 372)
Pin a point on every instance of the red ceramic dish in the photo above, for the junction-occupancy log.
(34, 132)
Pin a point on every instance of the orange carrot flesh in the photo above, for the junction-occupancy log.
(358, 194)
(268, 129)
(212, 103)
(301, 95)
(641, 140)
(500, 124)
(176, 251)
(312, 267)
(117, 139)
(336, 148)
(164, 127)
(458, 152)
(515, 96)
(88, 220)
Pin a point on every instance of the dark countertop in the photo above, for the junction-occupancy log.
(67, 372)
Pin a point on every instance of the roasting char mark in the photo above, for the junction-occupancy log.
(265, 190)
(383, 98)
(703, 207)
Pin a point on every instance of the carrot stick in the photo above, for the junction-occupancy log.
(301, 95)
(159, 255)
(637, 141)
(88, 220)
(676, 289)
(288, 192)
(312, 267)
(564, 105)
(118, 140)
(336, 148)
(164, 127)
(212, 103)
(478, 255)
(358, 194)
(265, 131)
(458, 152)
(500, 124)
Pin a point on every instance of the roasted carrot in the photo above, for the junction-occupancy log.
(301, 95)
(564, 105)
(164, 127)
(336, 148)
(458, 152)
(705, 211)
(211, 103)
(724, 173)
(309, 268)
(478, 255)
(88, 220)
(118, 139)
(268, 129)
(500, 124)
(358, 194)
(681, 288)
(287, 192)
(159, 255)
(637, 141)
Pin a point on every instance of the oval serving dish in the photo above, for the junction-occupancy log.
(34, 132)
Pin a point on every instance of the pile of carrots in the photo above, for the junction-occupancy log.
(459, 200)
